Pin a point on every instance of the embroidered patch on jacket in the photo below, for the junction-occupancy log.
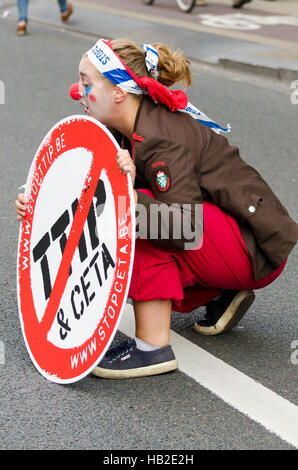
(162, 179)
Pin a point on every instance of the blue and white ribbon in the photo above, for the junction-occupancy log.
(203, 119)
(151, 60)
(110, 65)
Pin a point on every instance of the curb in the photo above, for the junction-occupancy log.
(280, 74)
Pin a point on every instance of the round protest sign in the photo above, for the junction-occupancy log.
(76, 248)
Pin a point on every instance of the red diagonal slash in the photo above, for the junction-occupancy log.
(71, 245)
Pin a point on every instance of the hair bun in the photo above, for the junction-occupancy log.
(173, 66)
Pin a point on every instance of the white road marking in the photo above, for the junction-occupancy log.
(267, 408)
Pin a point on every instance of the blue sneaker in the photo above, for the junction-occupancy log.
(125, 361)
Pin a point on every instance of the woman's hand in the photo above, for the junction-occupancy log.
(126, 164)
(20, 205)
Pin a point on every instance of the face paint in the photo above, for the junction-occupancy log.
(89, 95)
(87, 90)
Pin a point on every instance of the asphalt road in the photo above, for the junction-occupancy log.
(272, 48)
(164, 412)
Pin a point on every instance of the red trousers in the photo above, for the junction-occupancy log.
(194, 277)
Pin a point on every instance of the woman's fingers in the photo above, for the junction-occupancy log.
(20, 206)
(123, 158)
(21, 198)
(125, 163)
(127, 168)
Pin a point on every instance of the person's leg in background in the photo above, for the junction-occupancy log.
(66, 9)
(23, 17)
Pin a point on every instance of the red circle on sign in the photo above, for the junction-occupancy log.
(69, 364)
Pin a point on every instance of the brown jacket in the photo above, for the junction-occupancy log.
(201, 165)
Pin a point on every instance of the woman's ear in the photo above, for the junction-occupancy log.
(119, 95)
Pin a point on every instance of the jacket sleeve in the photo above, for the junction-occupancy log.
(239, 189)
(174, 216)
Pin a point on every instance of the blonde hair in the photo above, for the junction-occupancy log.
(172, 65)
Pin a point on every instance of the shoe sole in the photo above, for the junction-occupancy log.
(133, 373)
(231, 317)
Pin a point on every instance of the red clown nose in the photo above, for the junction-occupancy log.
(74, 91)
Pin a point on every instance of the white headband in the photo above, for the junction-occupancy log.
(108, 63)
